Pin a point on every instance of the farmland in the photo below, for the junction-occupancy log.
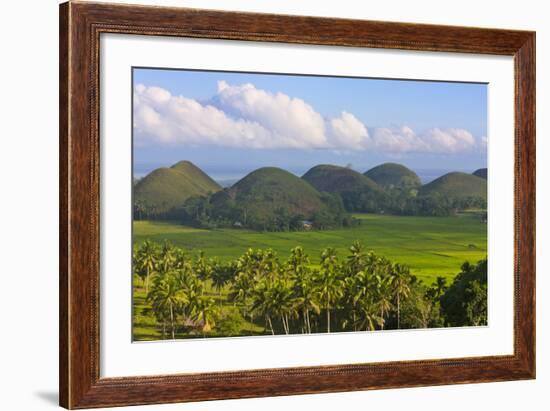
(430, 246)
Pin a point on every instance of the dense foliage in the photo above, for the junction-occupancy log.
(360, 292)
(466, 300)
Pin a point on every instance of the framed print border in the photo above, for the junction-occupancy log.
(81, 25)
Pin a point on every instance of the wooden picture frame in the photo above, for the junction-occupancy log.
(80, 27)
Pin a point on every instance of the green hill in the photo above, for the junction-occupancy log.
(456, 185)
(336, 179)
(268, 195)
(390, 175)
(482, 172)
(164, 189)
(358, 192)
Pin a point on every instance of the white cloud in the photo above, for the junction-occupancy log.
(397, 140)
(435, 140)
(347, 131)
(163, 118)
(245, 116)
(291, 121)
(450, 140)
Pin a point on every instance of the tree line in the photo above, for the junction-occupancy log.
(359, 292)
(202, 212)
(404, 200)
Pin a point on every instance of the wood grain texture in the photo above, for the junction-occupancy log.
(525, 203)
(63, 205)
(80, 27)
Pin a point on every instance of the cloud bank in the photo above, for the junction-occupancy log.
(247, 117)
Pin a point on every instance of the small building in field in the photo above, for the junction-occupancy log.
(307, 225)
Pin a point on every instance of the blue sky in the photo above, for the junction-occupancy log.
(231, 123)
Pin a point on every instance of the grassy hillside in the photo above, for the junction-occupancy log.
(392, 175)
(431, 246)
(268, 194)
(335, 179)
(456, 185)
(272, 188)
(166, 188)
(482, 172)
(357, 191)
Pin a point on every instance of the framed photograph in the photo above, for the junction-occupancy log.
(259, 205)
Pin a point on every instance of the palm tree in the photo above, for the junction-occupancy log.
(258, 263)
(166, 297)
(384, 297)
(243, 282)
(357, 259)
(358, 288)
(271, 296)
(180, 258)
(146, 260)
(204, 311)
(400, 279)
(241, 288)
(363, 288)
(202, 267)
(354, 278)
(285, 302)
(368, 316)
(166, 258)
(349, 287)
(303, 287)
(251, 269)
(262, 302)
(267, 264)
(307, 297)
(329, 283)
(297, 262)
(195, 306)
(220, 275)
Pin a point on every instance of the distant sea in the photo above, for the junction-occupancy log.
(427, 175)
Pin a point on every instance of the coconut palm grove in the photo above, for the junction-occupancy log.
(332, 251)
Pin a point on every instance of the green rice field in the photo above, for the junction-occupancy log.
(431, 246)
